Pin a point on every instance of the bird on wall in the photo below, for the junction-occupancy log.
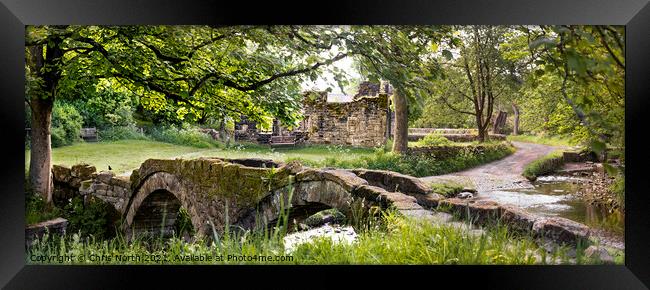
(109, 168)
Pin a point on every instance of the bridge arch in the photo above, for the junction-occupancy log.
(308, 197)
(153, 209)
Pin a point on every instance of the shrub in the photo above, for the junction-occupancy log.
(36, 210)
(121, 133)
(434, 140)
(186, 137)
(66, 124)
(106, 108)
(544, 165)
(184, 222)
(424, 165)
(92, 218)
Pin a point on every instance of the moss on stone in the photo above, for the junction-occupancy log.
(320, 218)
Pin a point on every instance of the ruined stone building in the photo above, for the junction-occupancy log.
(359, 120)
(363, 121)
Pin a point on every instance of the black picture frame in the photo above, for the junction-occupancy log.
(15, 14)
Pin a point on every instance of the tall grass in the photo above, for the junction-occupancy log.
(387, 238)
(417, 165)
(544, 165)
(546, 140)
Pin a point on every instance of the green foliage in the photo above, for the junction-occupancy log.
(420, 166)
(435, 114)
(317, 218)
(544, 165)
(434, 140)
(365, 219)
(121, 133)
(399, 240)
(66, 124)
(476, 84)
(186, 137)
(587, 65)
(105, 107)
(184, 223)
(542, 139)
(91, 218)
(618, 188)
(447, 189)
(36, 210)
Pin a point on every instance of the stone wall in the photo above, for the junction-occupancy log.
(554, 229)
(55, 226)
(115, 190)
(361, 122)
(455, 135)
(68, 180)
(246, 129)
(441, 131)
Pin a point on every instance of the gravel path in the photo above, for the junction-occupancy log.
(500, 174)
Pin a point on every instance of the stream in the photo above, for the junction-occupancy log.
(557, 196)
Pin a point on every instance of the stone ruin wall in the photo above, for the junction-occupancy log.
(361, 122)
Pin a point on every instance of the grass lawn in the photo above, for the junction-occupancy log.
(126, 155)
(546, 140)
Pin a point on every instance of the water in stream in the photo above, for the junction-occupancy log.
(557, 196)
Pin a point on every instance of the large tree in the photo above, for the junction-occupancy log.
(193, 69)
(478, 77)
(589, 64)
(402, 55)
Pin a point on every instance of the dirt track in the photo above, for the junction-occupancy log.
(500, 174)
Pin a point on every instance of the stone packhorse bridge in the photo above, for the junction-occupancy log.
(250, 193)
(245, 193)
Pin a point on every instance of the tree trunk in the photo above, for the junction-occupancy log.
(400, 140)
(479, 126)
(222, 129)
(515, 129)
(40, 162)
(481, 135)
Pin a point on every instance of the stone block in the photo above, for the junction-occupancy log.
(562, 230)
(430, 200)
(55, 226)
(101, 186)
(309, 174)
(517, 219)
(599, 254)
(105, 176)
(85, 185)
(484, 211)
(369, 192)
(344, 178)
(121, 181)
(61, 173)
(83, 171)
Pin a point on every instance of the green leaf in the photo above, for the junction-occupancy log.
(598, 146)
(611, 170)
(542, 40)
(447, 54)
